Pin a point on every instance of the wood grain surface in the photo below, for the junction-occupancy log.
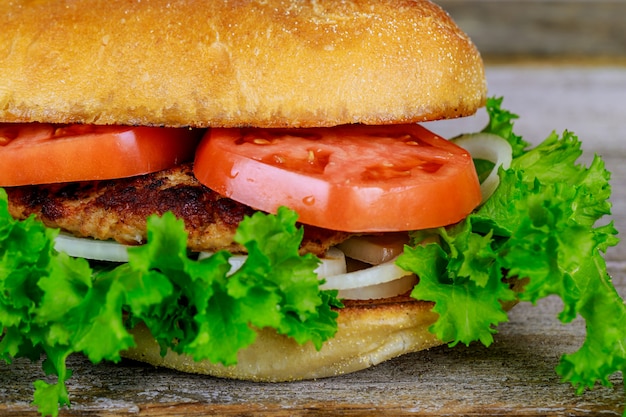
(515, 376)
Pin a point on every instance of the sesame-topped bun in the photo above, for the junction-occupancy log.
(223, 63)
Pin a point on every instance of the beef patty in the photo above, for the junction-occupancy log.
(117, 209)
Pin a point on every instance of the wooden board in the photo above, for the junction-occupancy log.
(515, 376)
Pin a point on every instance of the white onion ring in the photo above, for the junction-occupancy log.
(333, 263)
(384, 290)
(489, 147)
(99, 250)
(375, 275)
(375, 250)
(381, 281)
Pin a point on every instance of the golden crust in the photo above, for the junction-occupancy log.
(226, 63)
(367, 334)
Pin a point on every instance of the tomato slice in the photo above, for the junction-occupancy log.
(350, 178)
(39, 153)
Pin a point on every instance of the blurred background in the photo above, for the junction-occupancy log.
(553, 29)
(559, 64)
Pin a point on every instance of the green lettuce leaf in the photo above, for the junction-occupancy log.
(211, 315)
(458, 275)
(540, 224)
(55, 305)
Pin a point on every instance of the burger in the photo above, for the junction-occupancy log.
(244, 189)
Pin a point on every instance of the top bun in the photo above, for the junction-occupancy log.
(271, 63)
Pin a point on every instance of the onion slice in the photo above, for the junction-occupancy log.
(380, 281)
(333, 263)
(384, 290)
(373, 249)
(375, 275)
(489, 147)
(98, 250)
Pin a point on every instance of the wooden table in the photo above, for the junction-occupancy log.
(515, 376)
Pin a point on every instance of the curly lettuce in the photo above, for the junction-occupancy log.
(541, 224)
(56, 305)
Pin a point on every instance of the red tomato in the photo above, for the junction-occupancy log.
(350, 178)
(34, 153)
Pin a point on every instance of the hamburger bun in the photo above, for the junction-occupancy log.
(247, 63)
(266, 63)
(369, 332)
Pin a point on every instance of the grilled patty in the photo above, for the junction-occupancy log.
(117, 209)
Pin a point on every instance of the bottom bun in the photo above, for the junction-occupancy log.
(369, 332)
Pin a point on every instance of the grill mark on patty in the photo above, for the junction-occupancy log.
(118, 210)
